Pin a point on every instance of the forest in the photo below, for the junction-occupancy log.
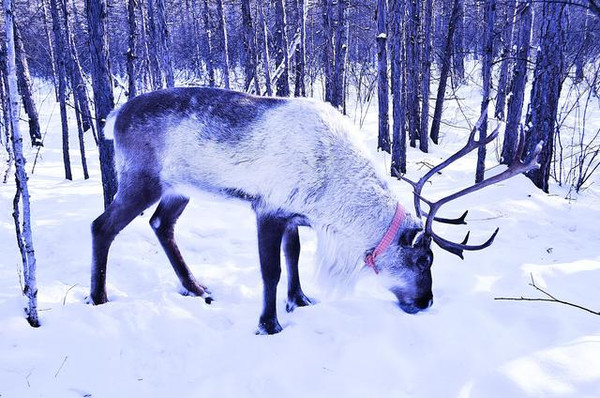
(408, 70)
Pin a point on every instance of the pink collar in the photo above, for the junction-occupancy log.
(387, 239)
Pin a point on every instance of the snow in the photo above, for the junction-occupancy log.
(151, 341)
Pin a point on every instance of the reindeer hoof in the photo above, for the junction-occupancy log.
(97, 299)
(298, 300)
(208, 300)
(268, 327)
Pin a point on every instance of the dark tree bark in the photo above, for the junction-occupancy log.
(545, 92)
(490, 16)
(208, 39)
(23, 231)
(383, 141)
(412, 71)
(4, 104)
(165, 42)
(96, 11)
(300, 56)
(24, 83)
(59, 50)
(426, 72)
(328, 53)
(222, 26)
(519, 81)
(132, 50)
(439, 102)
(281, 47)
(265, 49)
(458, 55)
(154, 45)
(507, 34)
(398, 97)
(341, 51)
(249, 54)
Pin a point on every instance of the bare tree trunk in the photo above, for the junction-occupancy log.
(24, 233)
(132, 50)
(299, 87)
(426, 72)
(24, 83)
(398, 101)
(519, 81)
(328, 54)
(96, 11)
(4, 103)
(146, 64)
(281, 47)
(507, 33)
(265, 50)
(341, 52)
(249, 57)
(45, 20)
(59, 51)
(412, 71)
(223, 31)
(383, 142)
(490, 15)
(545, 92)
(208, 40)
(439, 102)
(165, 42)
(157, 80)
(458, 55)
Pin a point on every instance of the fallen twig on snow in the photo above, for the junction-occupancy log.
(550, 299)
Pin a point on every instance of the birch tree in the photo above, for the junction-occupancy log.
(398, 98)
(282, 83)
(23, 228)
(383, 141)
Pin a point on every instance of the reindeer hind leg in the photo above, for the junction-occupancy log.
(126, 206)
(163, 223)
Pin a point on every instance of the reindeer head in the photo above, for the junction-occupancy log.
(408, 264)
(406, 268)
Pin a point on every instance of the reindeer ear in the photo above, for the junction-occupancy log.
(407, 236)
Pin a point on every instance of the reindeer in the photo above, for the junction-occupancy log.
(296, 162)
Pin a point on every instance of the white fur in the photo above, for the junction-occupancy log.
(292, 149)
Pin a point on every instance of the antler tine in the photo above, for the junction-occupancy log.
(456, 248)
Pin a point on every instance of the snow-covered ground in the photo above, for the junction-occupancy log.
(150, 341)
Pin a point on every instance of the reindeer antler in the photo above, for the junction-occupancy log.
(516, 166)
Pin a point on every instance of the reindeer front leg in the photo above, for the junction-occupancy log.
(270, 233)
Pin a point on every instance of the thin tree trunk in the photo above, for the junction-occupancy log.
(249, 57)
(157, 80)
(96, 11)
(265, 50)
(208, 40)
(398, 101)
(383, 141)
(132, 50)
(439, 101)
(328, 54)
(59, 51)
(519, 81)
(282, 84)
(507, 33)
(4, 102)
(223, 31)
(341, 52)
(426, 72)
(490, 13)
(46, 22)
(299, 87)
(146, 64)
(24, 83)
(23, 231)
(458, 55)
(165, 42)
(412, 71)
